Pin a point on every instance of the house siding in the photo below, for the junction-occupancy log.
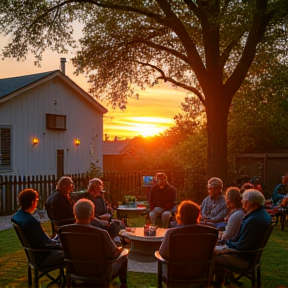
(26, 114)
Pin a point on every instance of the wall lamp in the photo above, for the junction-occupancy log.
(35, 141)
(77, 142)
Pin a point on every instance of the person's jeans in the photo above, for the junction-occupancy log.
(164, 215)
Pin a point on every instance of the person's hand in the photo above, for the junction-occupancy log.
(105, 217)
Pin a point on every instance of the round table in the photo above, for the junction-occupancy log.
(141, 243)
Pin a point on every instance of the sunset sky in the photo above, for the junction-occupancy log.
(147, 116)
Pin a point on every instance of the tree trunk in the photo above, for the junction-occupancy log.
(217, 118)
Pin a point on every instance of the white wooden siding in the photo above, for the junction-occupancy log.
(27, 114)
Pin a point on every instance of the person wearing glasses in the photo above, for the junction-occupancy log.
(59, 205)
(161, 198)
(213, 207)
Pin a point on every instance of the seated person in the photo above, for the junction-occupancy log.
(59, 205)
(103, 209)
(213, 207)
(84, 214)
(32, 229)
(253, 183)
(188, 214)
(235, 214)
(253, 228)
(280, 191)
(162, 197)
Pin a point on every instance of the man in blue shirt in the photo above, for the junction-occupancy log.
(253, 229)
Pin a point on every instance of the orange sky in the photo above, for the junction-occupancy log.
(147, 116)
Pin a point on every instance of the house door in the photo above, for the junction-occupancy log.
(60, 163)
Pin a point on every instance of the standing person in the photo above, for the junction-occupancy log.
(280, 191)
(235, 214)
(161, 198)
(59, 205)
(253, 228)
(213, 207)
(31, 228)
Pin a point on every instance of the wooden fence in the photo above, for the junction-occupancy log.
(116, 185)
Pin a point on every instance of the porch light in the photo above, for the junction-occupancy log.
(35, 141)
(77, 142)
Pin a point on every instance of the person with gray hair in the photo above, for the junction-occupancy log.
(253, 228)
(59, 205)
(84, 214)
(213, 207)
(103, 210)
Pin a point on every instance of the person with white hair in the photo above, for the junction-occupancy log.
(253, 228)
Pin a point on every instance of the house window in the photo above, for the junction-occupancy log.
(54, 121)
(5, 148)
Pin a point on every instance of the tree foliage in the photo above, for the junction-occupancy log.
(204, 46)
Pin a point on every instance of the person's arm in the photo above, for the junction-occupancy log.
(111, 248)
(219, 212)
(164, 248)
(171, 198)
(233, 225)
(152, 203)
(204, 209)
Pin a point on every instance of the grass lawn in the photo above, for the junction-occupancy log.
(13, 263)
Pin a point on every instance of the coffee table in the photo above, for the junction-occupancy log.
(143, 244)
(124, 212)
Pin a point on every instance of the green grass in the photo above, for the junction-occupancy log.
(13, 264)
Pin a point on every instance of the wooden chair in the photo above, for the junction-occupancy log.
(190, 258)
(253, 272)
(86, 258)
(39, 270)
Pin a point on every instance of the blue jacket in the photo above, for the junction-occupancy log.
(253, 229)
(277, 193)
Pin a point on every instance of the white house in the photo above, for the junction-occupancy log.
(48, 126)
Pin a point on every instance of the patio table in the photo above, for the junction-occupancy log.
(124, 212)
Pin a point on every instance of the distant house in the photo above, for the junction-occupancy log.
(118, 155)
(48, 126)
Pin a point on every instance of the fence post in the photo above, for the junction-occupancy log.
(8, 195)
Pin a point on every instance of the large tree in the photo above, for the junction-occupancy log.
(203, 46)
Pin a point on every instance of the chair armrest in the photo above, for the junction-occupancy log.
(38, 250)
(159, 257)
(124, 253)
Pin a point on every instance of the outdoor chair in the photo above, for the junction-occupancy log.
(190, 258)
(253, 272)
(86, 258)
(56, 224)
(39, 270)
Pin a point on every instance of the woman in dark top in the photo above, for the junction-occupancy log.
(59, 205)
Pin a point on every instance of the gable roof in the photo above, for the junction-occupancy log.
(115, 147)
(12, 87)
(9, 85)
